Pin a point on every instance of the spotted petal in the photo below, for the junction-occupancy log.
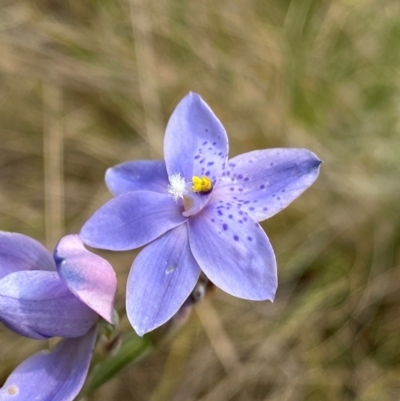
(19, 252)
(162, 277)
(90, 277)
(264, 182)
(131, 220)
(195, 141)
(37, 304)
(140, 175)
(233, 252)
(55, 376)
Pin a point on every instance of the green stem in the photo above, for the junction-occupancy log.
(133, 350)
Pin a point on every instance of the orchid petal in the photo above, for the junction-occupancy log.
(58, 375)
(195, 141)
(131, 220)
(90, 277)
(264, 182)
(233, 252)
(19, 252)
(162, 277)
(37, 304)
(146, 175)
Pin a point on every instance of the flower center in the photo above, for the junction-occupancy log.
(178, 188)
(191, 201)
(202, 185)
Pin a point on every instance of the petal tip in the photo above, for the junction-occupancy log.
(315, 161)
(84, 234)
(70, 242)
(193, 94)
(88, 237)
(318, 162)
(190, 99)
(139, 331)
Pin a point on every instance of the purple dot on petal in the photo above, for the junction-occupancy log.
(210, 163)
(246, 179)
(202, 161)
(220, 213)
(262, 186)
(240, 189)
(278, 198)
(240, 221)
(206, 131)
(213, 220)
(265, 209)
(197, 157)
(250, 239)
(225, 226)
(251, 208)
(230, 216)
(236, 238)
(205, 143)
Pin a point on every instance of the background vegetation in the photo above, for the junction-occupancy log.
(88, 84)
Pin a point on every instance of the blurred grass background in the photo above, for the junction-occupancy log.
(86, 85)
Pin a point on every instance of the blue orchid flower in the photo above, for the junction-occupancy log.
(42, 296)
(198, 212)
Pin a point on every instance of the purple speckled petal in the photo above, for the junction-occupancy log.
(195, 141)
(162, 276)
(52, 376)
(233, 252)
(90, 277)
(141, 175)
(37, 304)
(264, 182)
(132, 220)
(19, 252)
